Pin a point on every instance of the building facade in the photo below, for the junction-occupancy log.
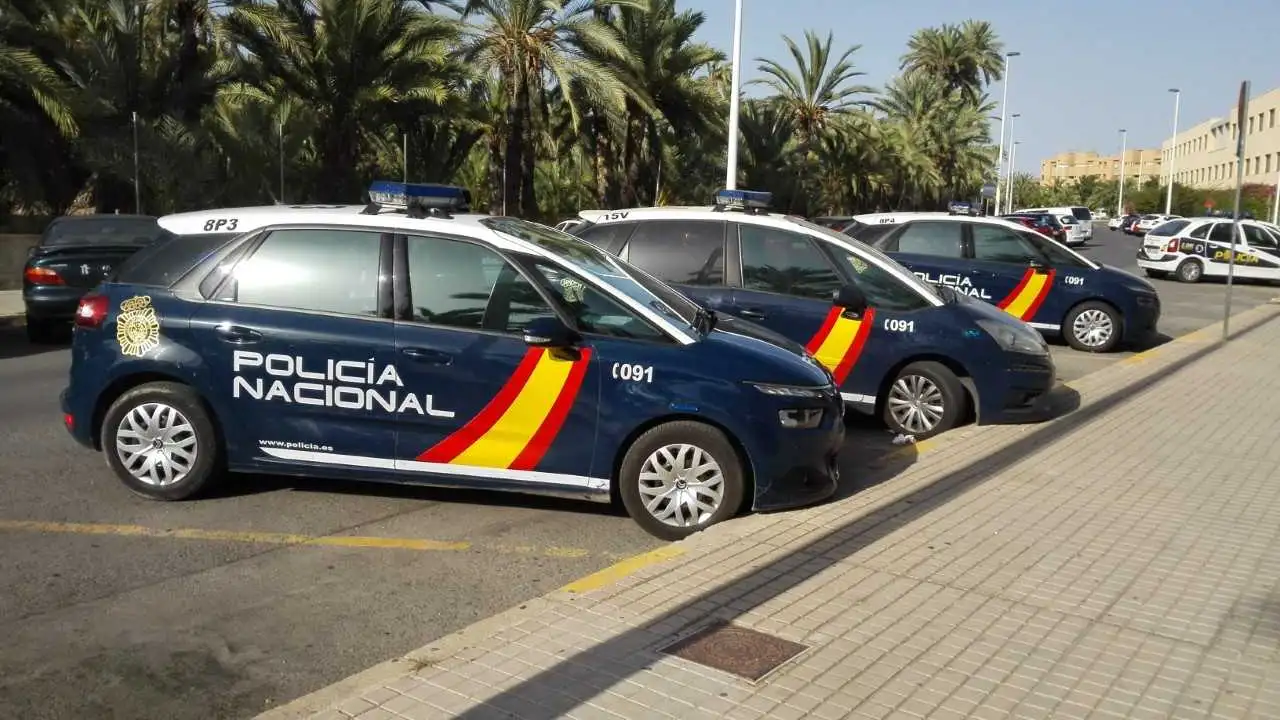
(1204, 156)
(1139, 165)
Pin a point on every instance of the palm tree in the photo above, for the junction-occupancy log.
(531, 44)
(964, 57)
(817, 89)
(358, 66)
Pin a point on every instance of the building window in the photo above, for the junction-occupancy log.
(1251, 125)
(1272, 122)
(1268, 157)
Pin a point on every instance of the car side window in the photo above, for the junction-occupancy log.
(785, 262)
(591, 310)
(936, 239)
(465, 285)
(690, 252)
(883, 290)
(322, 270)
(1257, 237)
(1201, 232)
(993, 243)
(1221, 232)
(609, 237)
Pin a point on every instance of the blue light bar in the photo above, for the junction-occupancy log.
(744, 198)
(421, 195)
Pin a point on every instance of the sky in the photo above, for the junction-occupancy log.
(1087, 68)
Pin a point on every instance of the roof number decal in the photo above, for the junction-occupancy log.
(219, 224)
(614, 215)
(887, 221)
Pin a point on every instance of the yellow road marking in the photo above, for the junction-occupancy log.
(270, 538)
(619, 570)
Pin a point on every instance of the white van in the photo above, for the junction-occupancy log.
(1079, 212)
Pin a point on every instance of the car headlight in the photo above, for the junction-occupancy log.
(794, 391)
(1015, 338)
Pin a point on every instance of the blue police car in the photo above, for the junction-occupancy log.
(920, 357)
(1056, 290)
(411, 342)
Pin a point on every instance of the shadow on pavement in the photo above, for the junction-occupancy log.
(575, 679)
(14, 344)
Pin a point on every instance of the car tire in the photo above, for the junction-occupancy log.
(665, 449)
(923, 381)
(1093, 317)
(41, 331)
(189, 449)
(1190, 271)
(1157, 274)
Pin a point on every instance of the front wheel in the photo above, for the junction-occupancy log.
(160, 441)
(924, 399)
(1092, 327)
(681, 477)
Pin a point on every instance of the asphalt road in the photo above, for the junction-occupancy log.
(114, 606)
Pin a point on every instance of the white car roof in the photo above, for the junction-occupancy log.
(469, 225)
(891, 218)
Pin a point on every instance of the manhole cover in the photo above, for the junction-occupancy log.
(745, 653)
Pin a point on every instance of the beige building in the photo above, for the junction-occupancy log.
(1205, 155)
(1139, 165)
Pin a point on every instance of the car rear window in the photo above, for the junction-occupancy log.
(109, 230)
(165, 261)
(1082, 214)
(868, 234)
(1169, 229)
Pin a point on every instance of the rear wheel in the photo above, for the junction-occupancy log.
(1092, 327)
(160, 441)
(681, 477)
(1190, 271)
(42, 331)
(924, 399)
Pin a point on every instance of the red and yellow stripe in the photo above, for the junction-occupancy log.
(839, 341)
(519, 424)
(1030, 293)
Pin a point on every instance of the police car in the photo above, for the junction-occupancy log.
(1192, 248)
(410, 342)
(1053, 288)
(919, 357)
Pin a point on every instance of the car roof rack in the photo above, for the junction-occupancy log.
(417, 200)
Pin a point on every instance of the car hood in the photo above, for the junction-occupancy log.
(1126, 278)
(746, 350)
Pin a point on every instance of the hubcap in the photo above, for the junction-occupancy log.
(1093, 328)
(916, 403)
(681, 485)
(1192, 272)
(156, 444)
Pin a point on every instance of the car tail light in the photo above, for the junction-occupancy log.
(92, 311)
(1172, 246)
(42, 276)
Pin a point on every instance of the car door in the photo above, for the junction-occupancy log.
(688, 254)
(1017, 276)
(1258, 259)
(298, 337)
(934, 251)
(491, 407)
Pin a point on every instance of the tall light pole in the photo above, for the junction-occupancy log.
(1173, 148)
(1004, 105)
(1013, 157)
(1009, 177)
(1124, 139)
(731, 172)
(1275, 206)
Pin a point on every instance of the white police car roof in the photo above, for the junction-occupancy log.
(889, 218)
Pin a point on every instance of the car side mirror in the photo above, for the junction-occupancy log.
(851, 299)
(550, 332)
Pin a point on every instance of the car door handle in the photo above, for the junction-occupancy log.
(426, 355)
(237, 335)
(752, 314)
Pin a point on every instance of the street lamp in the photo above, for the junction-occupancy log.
(1009, 178)
(1173, 147)
(1013, 156)
(731, 172)
(1004, 105)
(1124, 139)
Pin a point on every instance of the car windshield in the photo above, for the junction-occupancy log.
(610, 270)
(1082, 214)
(1057, 255)
(869, 253)
(101, 231)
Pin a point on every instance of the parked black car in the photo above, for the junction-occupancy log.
(1126, 225)
(75, 253)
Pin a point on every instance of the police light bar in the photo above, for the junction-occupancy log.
(419, 195)
(744, 199)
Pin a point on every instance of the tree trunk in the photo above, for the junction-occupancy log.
(512, 159)
(495, 163)
(528, 158)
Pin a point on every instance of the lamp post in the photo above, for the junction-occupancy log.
(1275, 206)
(1124, 139)
(1173, 148)
(1013, 157)
(1009, 177)
(731, 172)
(1004, 105)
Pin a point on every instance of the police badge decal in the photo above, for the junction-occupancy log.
(137, 329)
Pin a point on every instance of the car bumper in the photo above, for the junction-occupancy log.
(1141, 320)
(52, 303)
(77, 420)
(804, 470)
(1015, 392)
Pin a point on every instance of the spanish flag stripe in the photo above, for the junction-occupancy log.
(546, 434)
(820, 337)
(450, 447)
(1022, 284)
(1030, 314)
(855, 350)
(1036, 285)
(512, 433)
(837, 344)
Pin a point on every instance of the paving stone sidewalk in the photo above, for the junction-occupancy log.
(1122, 561)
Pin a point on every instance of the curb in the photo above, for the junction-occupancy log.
(463, 639)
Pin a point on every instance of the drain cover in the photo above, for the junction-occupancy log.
(737, 650)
